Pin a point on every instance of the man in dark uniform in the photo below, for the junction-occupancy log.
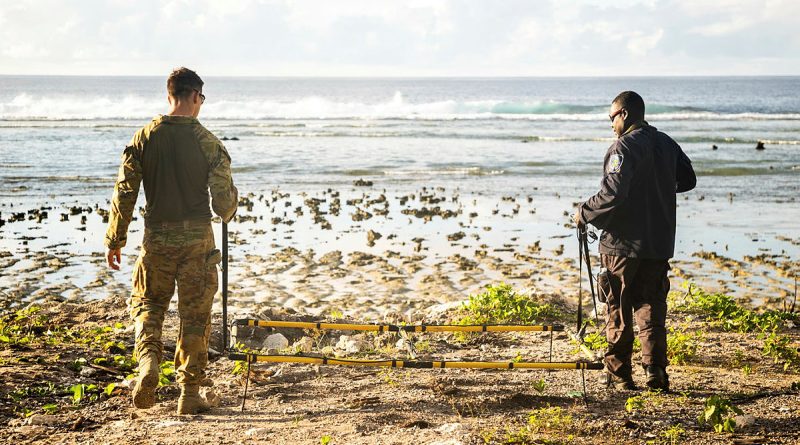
(635, 207)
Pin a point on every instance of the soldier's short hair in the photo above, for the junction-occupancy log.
(632, 102)
(182, 82)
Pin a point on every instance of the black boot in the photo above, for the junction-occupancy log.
(657, 378)
(613, 381)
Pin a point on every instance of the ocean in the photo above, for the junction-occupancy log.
(540, 139)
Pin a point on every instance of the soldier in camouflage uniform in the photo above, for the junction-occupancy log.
(179, 161)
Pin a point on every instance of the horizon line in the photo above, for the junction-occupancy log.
(587, 76)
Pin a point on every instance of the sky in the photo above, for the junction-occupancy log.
(401, 38)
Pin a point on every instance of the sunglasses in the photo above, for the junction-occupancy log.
(613, 116)
(202, 96)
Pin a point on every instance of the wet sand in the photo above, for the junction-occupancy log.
(367, 252)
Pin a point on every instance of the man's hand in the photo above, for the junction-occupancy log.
(113, 258)
(577, 219)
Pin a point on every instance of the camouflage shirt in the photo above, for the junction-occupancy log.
(179, 161)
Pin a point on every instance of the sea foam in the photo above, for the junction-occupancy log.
(30, 107)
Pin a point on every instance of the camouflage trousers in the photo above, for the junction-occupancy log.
(185, 256)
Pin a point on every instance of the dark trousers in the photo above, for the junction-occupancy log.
(635, 288)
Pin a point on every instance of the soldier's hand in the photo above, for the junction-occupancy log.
(113, 258)
(577, 219)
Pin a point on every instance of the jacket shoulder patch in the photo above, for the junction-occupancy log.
(614, 163)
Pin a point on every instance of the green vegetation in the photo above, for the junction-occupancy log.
(551, 418)
(682, 346)
(167, 374)
(595, 341)
(717, 414)
(724, 312)
(721, 311)
(325, 440)
(778, 349)
(32, 329)
(642, 401)
(634, 403)
(21, 327)
(539, 385)
(502, 304)
(673, 435)
(547, 425)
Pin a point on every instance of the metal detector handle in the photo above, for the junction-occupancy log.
(224, 286)
(585, 247)
(579, 326)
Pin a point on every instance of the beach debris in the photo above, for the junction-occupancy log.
(362, 183)
(44, 420)
(245, 201)
(463, 262)
(428, 214)
(305, 344)
(361, 214)
(372, 236)
(760, 146)
(456, 236)
(275, 341)
(361, 259)
(210, 396)
(744, 421)
(351, 344)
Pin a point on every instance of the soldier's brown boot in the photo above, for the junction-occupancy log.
(190, 401)
(144, 392)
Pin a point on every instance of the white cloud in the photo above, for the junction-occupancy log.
(413, 37)
(640, 44)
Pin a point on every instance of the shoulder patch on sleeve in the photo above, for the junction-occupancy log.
(614, 163)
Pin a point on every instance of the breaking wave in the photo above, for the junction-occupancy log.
(28, 107)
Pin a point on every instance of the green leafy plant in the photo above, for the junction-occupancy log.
(109, 389)
(634, 403)
(539, 385)
(673, 435)
(167, 374)
(502, 304)
(551, 418)
(779, 349)
(325, 440)
(50, 408)
(81, 392)
(682, 346)
(717, 413)
(724, 312)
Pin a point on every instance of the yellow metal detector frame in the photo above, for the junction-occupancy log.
(398, 328)
(411, 364)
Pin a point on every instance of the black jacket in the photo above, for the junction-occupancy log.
(635, 206)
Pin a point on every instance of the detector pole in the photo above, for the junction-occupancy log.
(224, 287)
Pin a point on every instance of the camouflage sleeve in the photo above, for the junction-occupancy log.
(124, 200)
(224, 196)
